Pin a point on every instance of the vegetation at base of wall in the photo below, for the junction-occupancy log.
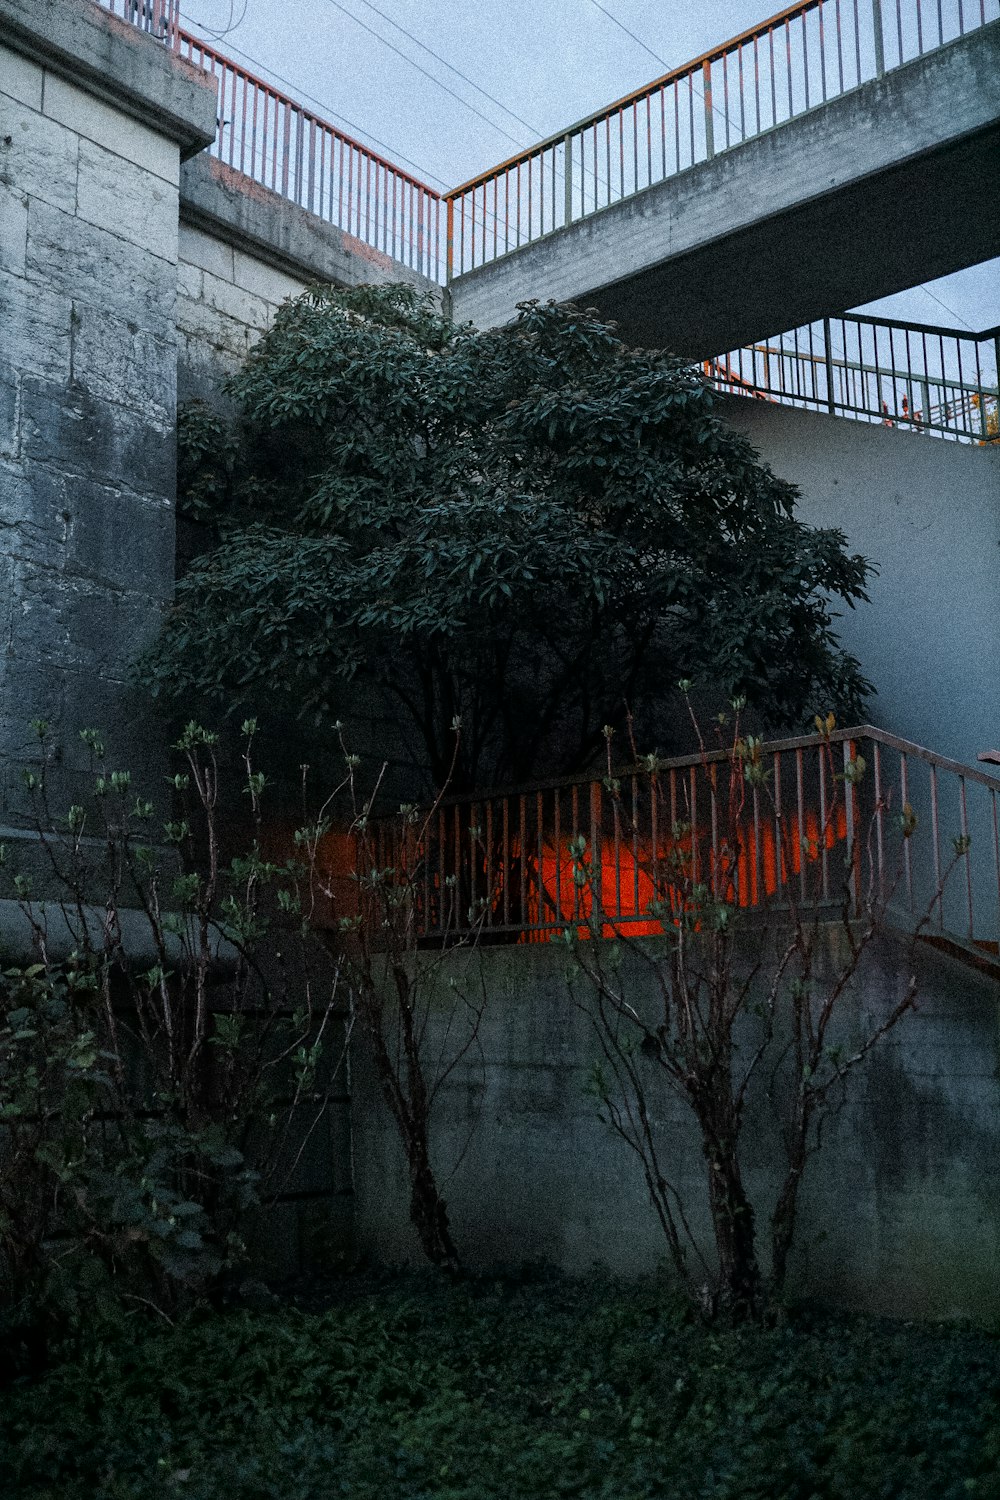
(168, 1060)
(167, 1057)
(493, 1390)
(530, 528)
(744, 1001)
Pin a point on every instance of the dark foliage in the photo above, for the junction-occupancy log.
(413, 1390)
(527, 528)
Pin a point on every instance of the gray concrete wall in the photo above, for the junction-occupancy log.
(243, 251)
(88, 361)
(900, 1214)
(124, 280)
(853, 200)
(226, 299)
(927, 511)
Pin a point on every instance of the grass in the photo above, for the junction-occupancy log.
(410, 1388)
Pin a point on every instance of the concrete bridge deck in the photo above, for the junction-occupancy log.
(860, 197)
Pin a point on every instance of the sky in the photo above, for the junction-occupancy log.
(449, 88)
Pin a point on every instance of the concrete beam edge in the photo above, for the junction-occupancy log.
(116, 62)
(279, 232)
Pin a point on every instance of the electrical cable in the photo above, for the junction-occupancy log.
(413, 64)
(457, 71)
(329, 111)
(231, 25)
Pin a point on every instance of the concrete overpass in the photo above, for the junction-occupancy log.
(885, 186)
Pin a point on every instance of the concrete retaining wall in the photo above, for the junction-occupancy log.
(927, 511)
(88, 369)
(900, 1214)
(243, 251)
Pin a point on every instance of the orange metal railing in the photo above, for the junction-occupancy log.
(507, 862)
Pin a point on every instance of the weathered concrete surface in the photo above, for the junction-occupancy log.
(233, 208)
(927, 512)
(900, 1213)
(864, 196)
(243, 251)
(88, 371)
(226, 298)
(116, 62)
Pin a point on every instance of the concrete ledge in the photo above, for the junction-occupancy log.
(68, 929)
(233, 208)
(117, 62)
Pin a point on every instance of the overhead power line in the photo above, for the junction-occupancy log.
(457, 71)
(638, 40)
(420, 69)
(328, 110)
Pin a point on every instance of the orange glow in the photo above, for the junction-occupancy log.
(631, 878)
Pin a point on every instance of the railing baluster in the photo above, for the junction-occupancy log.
(635, 847)
(877, 38)
(490, 888)
(596, 853)
(904, 773)
(540, 820)
(505, 862)
(936, 831)
(968, 863)
(522, 843)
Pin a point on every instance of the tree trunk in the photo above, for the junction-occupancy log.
(429, 1212)
(783, 1220)
(735, 1239)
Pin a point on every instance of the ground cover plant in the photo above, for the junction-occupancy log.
(414, 1387)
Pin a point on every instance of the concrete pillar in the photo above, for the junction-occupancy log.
(95, 119)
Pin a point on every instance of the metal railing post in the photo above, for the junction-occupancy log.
(596, 856)
(877, 37)
(568, 165)
(828, 356)
(449, 267)
(706, 73)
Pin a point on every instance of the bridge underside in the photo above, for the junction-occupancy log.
(862, 197)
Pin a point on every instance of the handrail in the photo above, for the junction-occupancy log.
(917, 375)
(716, 757)
(504, 861)
(640, 95)
(802, 56)
(904, 326)
(270, 137)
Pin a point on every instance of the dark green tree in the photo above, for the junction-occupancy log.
(528, 529)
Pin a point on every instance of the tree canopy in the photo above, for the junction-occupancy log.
(532, 529)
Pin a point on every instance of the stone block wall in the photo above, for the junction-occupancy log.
(88, 362)
(243, 251)
(226, 299)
